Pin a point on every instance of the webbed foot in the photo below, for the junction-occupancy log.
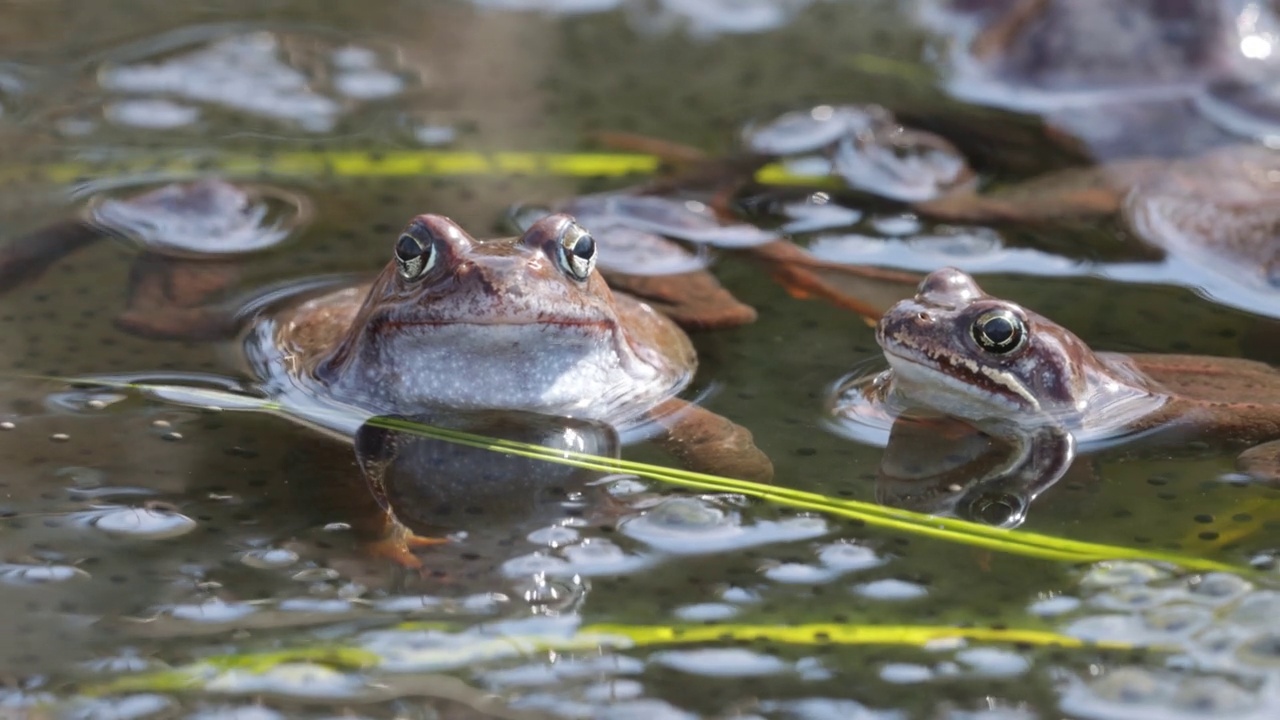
(398, 543)
(172, 298)
(867, 291)
(706, 442)
(1069, 193)
(1261, 462)
(693, 299)
(26, 257)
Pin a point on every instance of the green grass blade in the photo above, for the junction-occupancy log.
(1018, 542)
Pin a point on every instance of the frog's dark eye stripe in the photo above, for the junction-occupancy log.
(999, 331)
(413, 257)
(577, 251)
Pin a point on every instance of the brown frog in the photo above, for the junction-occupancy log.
(1162, 93)
(958, 352)
(522, 323)
(1217, 211)
(1146, 77)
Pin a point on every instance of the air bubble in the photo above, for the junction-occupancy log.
(1219, 587)
(14, 574)
(1115, 573)
(1177, 619)
(316, 575)
(269, 558)
(1261, 650)
(147, 523)
(1213, 697)
(720, 662)
(1129, 685)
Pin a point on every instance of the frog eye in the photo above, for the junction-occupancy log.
(577, 251)
(999, 331)
(413, 258)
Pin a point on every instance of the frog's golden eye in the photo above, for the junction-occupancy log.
(999, 331)
(413, 257)
(577, 251)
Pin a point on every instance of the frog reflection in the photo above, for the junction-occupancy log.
(942, 466)
(429, 487)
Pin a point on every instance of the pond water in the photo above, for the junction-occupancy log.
(161, 559)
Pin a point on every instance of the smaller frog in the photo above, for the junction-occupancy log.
(957, 351)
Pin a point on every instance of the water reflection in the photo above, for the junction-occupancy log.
(436, 486)
(946, 467)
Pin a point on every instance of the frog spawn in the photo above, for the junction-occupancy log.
(295, 80)
(599, 690)
(1218, 625)
(866, 147)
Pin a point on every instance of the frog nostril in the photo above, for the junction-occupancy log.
(924, 316)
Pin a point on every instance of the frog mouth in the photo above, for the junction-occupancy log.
(980, 385)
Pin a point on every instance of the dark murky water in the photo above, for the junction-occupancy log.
(145, 544)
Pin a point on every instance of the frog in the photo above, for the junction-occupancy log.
(192, 238)
(1164, 97)
(1215, 211)
(956, 352)
(524, 323)
(991, 474)
(1150, 77)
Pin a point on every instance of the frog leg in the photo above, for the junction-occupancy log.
(171, 298)
(693, 299)
(864, 290)
(994, 39)
(687, 166)
(867, 291)
(375, 522)
(667, 151)
(708, 305)
(1261, 462)
(28, 256)
(706, 442)
(1073, 192)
